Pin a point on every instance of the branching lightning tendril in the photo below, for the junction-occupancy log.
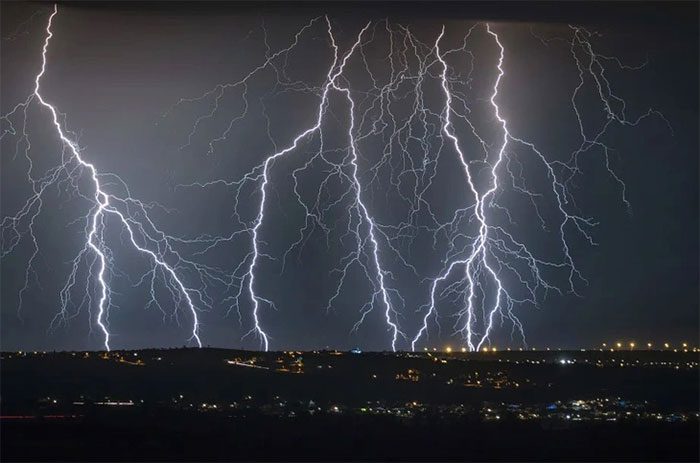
(142, 233)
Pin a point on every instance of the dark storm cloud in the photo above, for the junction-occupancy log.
(115, 69)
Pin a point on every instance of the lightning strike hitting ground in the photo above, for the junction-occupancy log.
(482, 259)
(133, 217)
(358, 209)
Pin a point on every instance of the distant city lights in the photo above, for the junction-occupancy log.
(620, 345)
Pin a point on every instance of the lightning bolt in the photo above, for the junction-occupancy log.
(131, 215)
(484, 259)
(365, 244)
(479, 247)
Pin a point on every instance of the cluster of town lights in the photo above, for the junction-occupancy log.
(631, 345)
(618, 345)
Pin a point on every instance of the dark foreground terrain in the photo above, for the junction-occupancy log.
(212, 404)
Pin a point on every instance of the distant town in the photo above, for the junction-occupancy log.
(537, 394)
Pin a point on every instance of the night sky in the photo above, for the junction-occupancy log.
(117, 72)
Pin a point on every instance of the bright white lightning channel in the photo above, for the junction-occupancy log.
(367, 243)
(479, 247)
(331, 82)
(105, 204)
(482, 258)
